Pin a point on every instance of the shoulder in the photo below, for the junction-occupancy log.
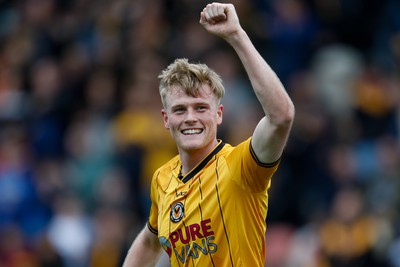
(163, 174)
(236, 150)
(170, 165)
(232, 156)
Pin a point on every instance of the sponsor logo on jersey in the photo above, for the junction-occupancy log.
(190, 241)
(177, 212)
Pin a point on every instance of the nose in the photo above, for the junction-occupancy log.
(190, 115)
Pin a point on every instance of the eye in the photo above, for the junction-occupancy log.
(201, 108)
(178, 110)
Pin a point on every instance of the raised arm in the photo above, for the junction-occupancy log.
(271, 133)
(145, 250)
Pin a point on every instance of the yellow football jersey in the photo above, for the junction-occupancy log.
(215, 214)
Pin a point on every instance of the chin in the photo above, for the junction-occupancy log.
(191, 147)
(192, 144)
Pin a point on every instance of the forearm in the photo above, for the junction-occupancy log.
(144, 251)
(268, 88)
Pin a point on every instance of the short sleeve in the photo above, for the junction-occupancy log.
(152, 223)
(252, 174)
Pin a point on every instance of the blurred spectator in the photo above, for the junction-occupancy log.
(394, 253)
(70, 231)
(291, 31)
(278, 240)
(47, 119)
(335, 70)
(46, 253)
(13, 101)
(301, 255)
(110, 228)
(376, 102)
(88, 143)
(350, 235)
(19, 202)
(14, 250)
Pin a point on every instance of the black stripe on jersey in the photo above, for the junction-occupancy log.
(169, 183)
(191, 174)
(222, 214)
(201, 218)
(201, 191)
(177, 164)
(262, 164)
(152, 229)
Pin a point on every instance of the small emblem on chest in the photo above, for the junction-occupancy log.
(177, 212)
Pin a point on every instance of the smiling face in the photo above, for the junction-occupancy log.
(191, 120)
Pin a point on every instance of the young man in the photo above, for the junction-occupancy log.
(209, 203)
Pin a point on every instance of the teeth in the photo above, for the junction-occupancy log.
(192, 131)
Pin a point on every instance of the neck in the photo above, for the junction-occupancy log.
(191, 158)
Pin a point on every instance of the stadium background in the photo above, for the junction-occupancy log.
(81, 131)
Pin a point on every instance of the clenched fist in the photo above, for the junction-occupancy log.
(220, 19)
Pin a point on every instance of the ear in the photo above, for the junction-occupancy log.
(219, 114)
(165, 118)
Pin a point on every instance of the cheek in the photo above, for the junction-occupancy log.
(170, 122)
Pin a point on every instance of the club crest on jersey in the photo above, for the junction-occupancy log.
(177, 212)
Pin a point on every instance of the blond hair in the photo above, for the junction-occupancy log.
(189, 77)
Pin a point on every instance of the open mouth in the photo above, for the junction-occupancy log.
(192, 131)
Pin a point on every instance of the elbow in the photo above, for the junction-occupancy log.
(290, 114)
(286, 116)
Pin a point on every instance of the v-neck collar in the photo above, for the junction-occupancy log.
(202, 164)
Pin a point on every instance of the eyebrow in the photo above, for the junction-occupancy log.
(194, 103)
(177, 106)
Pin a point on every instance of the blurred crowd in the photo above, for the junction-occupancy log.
(81, 131)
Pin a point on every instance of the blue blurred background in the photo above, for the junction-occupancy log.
(81, 131)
